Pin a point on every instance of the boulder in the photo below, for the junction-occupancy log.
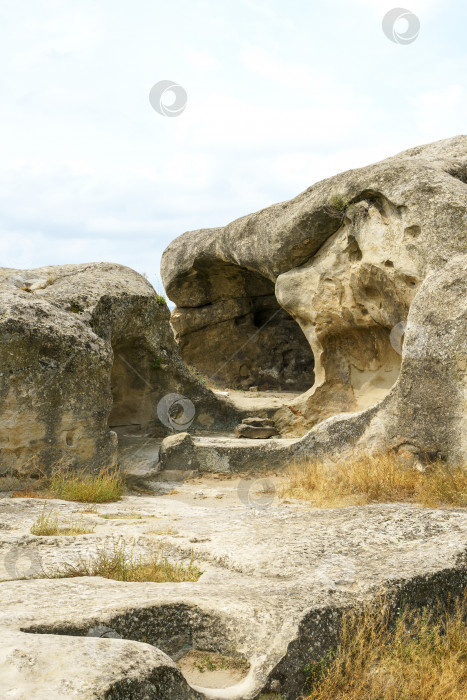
(87, 351)
(370, 264)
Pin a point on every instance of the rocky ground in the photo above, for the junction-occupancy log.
(276, 576)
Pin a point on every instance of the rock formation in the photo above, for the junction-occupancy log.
(87, 350)
(357, 260)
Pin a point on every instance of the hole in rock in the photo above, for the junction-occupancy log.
(233, 330)
(132, 392)
(198, 642)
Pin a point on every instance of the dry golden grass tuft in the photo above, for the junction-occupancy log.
(49, 523)
(422, 657)
(86, 487)
(83, 486)
(379, 478)
(121, 563)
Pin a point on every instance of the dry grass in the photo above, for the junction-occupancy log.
(121, 563)
(86, 487)
(377, 478)
(49, 523)
(29, 493)
(68, 484)
(132, 515)
(422, 657)
(213, 661)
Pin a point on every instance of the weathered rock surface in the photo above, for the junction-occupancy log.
(225, 454)
(276, 579)
(254, 431)
(356, 259)
(259, 422)
(86, 350)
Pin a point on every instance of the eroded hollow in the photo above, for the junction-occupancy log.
(198, 642)
(132, 391)
(232, 329)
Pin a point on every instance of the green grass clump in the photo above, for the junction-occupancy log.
(160, 299)
(86, 487)
(121, 563)
(49, 523)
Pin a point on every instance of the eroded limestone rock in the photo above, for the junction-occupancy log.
(87, 350)
(276, 580)
(350, 258)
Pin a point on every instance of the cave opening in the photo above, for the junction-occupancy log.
(132, 409)
(232, 330)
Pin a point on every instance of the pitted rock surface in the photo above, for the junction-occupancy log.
(87, 351)
(276, 579)
(372, 265)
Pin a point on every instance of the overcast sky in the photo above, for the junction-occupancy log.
(281, 93)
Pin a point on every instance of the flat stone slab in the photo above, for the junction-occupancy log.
(225, 454)
(276, 577)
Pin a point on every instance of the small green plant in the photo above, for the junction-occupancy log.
(48, 523)
(156, 363)
(339, 202)
(160, 299)
(201, 378)
(213, 661)
(75, 308)
(86, 487)
(121, 563)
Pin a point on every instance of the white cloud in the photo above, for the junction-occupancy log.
(441, 113)
(279, 96)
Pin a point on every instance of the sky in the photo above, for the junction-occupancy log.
(280, 94)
